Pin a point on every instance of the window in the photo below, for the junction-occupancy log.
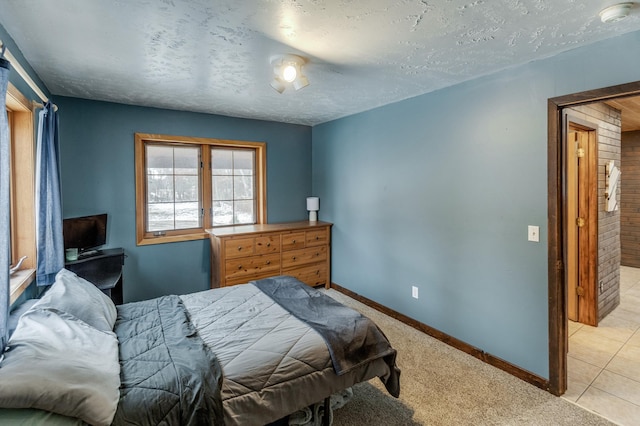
(186, 185)
(173, 189)
(233, 183)
(22, 208)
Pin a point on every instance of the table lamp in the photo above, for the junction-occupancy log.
(313, 205)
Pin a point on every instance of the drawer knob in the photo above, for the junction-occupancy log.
(294, 241)
(239, 266)
(293, 258)
(268, 244)
(239, 248)
(317, 254)
(317, 272)
(268, 262)
(317, 238)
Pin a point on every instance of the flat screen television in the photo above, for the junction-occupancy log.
(85, 233)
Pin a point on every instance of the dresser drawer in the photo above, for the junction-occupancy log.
(242, 279)
(293, 241)
(267, 244)
(295, 258)
(312, 275)
(238, 247)
(316, 238)
(253, 265)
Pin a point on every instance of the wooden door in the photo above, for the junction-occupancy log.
(582, 225)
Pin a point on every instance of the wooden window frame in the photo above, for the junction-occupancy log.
(23, 225)
(142, 139)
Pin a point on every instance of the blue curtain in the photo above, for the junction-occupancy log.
(50, 246)
(5, 200)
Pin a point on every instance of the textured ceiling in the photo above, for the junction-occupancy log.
(213, 55)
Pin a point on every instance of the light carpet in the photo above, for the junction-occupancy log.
(441, 385)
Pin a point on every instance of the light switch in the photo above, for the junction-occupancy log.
(534, 233)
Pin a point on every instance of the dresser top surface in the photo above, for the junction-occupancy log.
(267, 227)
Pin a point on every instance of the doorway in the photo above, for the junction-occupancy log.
(557, 224)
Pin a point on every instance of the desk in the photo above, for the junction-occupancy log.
(104, 270)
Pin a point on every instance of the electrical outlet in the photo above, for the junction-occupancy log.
(534, 233)
(414, 292)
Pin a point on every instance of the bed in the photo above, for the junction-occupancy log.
(248, 354)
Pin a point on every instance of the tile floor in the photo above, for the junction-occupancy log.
(604, 361)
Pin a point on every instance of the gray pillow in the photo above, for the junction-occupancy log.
(17, 312)
(78, 297)
(58, 363)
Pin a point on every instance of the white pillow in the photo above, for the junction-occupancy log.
(60, 364)
(78, 297)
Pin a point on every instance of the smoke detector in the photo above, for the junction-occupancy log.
(615, 13)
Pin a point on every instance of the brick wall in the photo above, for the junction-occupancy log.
(608, 120)
(630, 200)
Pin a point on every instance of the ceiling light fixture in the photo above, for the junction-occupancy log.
(287, 69)
(615, 13)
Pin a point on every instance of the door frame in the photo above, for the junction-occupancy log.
(558, 333)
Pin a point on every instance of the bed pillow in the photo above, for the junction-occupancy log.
(78, 297)
(17, 312)
(58, 363)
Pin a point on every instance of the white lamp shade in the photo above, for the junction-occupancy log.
(313, 204)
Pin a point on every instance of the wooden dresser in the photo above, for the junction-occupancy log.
(243, 253)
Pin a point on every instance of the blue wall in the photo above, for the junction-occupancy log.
(437, 192)
(97, 168)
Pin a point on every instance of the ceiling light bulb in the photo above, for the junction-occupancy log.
(615, 13)
(289, 73)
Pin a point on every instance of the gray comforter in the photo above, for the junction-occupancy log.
(352, 338)
(163, 360)
(273, 363)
